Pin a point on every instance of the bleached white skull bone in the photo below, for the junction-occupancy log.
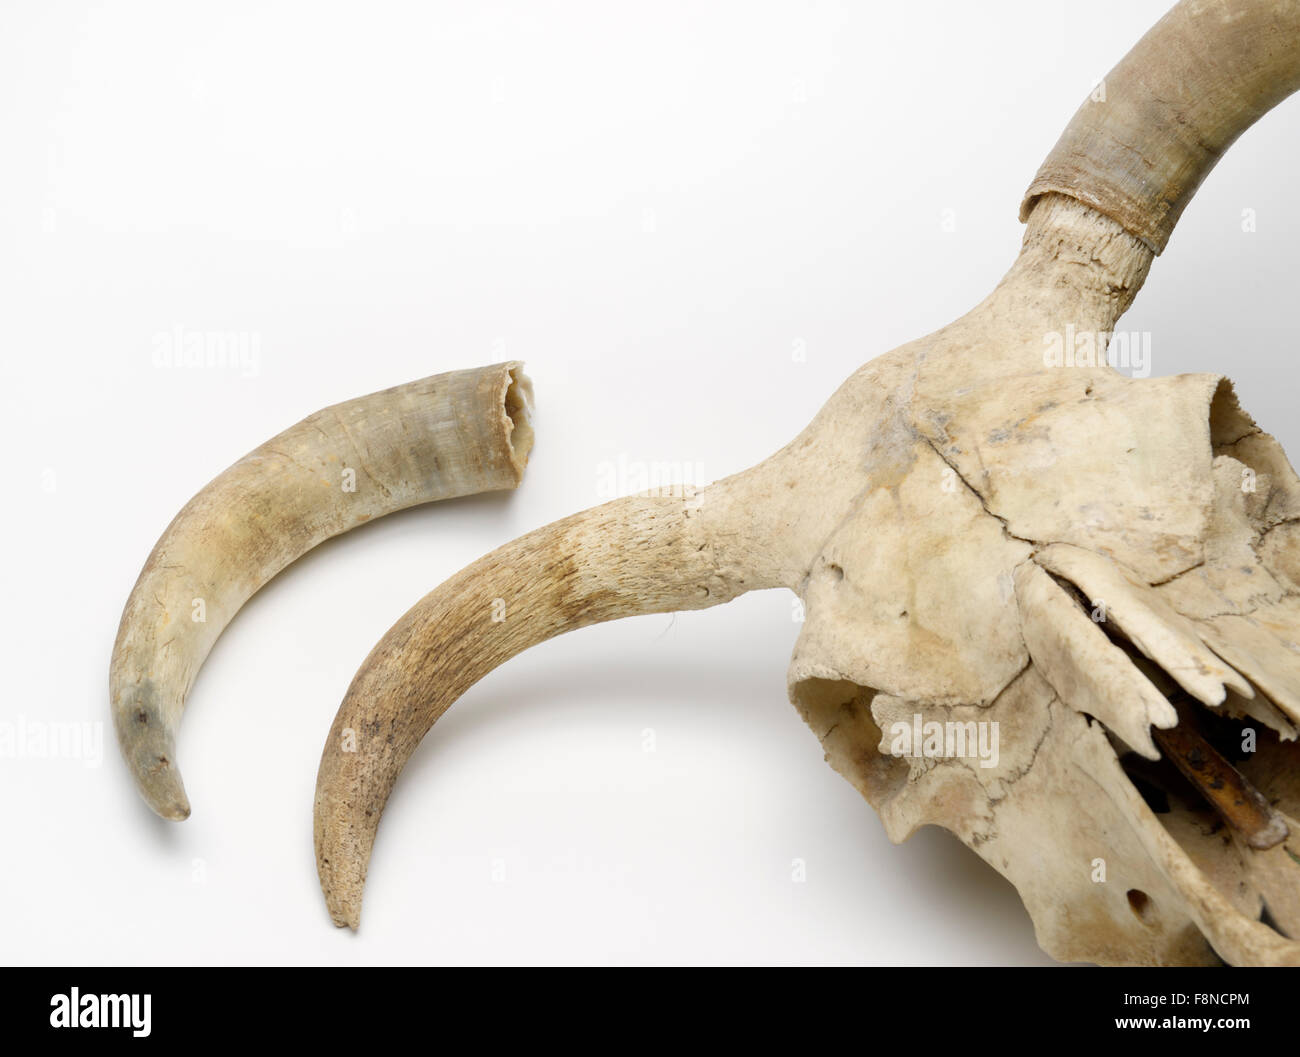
(1013, 533)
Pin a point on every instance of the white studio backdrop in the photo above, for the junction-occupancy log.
(692, 222)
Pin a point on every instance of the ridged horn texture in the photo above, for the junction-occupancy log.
(448, 435)
(628, 557)
(1140, 146)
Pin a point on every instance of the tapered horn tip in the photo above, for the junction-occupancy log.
(149, 748)
(343, 901)
(340, 864)
(161, 785)
(163, 790)
(174, 810)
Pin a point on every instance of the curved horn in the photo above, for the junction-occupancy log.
(643, 555)
(631, 556)
(1138, 149)
(448, 435)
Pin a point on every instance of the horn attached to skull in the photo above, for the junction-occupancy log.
(988, 525)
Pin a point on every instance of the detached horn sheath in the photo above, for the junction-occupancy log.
(448, 435)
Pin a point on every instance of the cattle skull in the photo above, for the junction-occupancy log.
(987, 526)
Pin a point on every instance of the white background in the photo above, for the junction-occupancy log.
(654, 206)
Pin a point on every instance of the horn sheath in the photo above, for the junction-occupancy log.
(447, 435)
(1140, 146)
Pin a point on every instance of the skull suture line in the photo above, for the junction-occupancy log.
(954, 519)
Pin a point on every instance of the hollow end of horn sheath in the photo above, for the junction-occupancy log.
(517, 406)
